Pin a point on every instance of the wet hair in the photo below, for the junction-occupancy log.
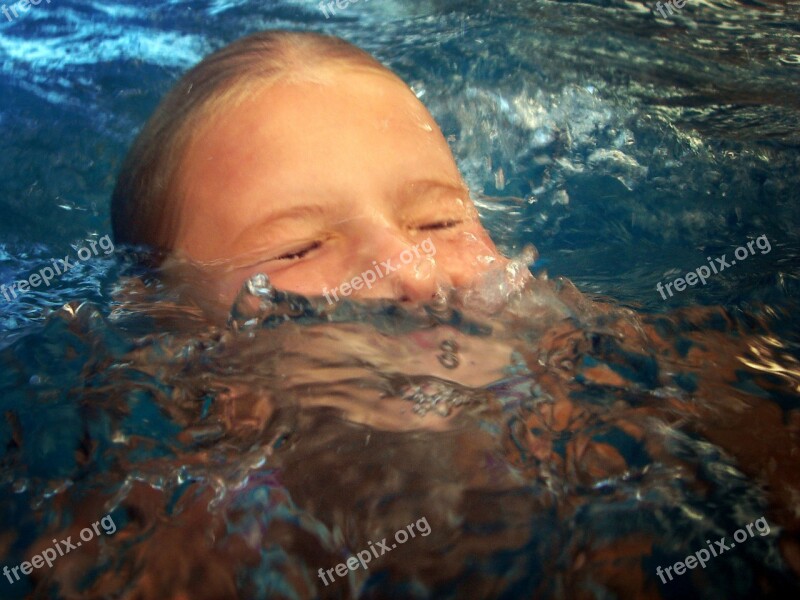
(145, 201)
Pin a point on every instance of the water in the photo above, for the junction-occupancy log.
(562, 435)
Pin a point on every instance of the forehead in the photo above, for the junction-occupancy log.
(298, 108)
(343, 127)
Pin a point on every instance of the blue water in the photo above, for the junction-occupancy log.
(626, 147)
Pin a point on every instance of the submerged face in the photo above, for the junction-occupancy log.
(318, 183)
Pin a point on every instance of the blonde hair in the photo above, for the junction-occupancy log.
(145, 198)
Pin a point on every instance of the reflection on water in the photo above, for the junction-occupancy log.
(564, 447)
(559, 445)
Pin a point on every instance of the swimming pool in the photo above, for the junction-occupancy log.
(626, 434)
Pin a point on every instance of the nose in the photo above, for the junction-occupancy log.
(417, 282)
(406, 270)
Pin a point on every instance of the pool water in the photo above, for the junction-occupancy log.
(565, 430)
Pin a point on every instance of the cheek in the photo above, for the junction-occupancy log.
(228, 285)
(306, 279)
(468, 256)
(309, 278)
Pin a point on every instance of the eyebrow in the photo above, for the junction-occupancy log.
(416, 190)
(292, 212)
(426, 184)
(421, 189)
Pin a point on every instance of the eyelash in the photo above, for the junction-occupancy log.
(439, 225)
(311, 247)
(300, 253)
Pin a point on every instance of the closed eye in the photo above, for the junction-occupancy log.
(440, 225)
(299, 253)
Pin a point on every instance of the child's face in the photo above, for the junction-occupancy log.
(315, 183)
